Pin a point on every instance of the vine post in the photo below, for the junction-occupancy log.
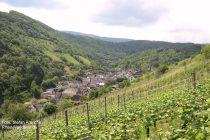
(118, 101)
(193, 80)
(37, 130)
(67, 123)
(66, 118)
(105, 109)
(88, 116)
(124, 102)
(148, 132)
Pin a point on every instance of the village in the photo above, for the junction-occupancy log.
(77, 88)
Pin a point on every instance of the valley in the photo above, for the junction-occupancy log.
(82, 86)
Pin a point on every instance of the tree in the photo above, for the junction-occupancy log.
(49, 108)
(206, 51)
(18, 112)
(162, 69)
(37, 72)
(36, 90)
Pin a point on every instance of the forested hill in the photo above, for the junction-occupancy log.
(127, 54)
(34, 56)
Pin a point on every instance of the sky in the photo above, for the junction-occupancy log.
(162, 20)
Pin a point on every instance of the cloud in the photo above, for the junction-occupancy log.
(33, 3)
(187, 30)
(130, 13)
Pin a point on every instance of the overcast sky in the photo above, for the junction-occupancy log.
(167, 20)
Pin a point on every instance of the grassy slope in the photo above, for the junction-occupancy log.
(84, 60)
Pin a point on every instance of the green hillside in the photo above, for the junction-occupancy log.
(170, 105)
(127, 55)
(31, 51)
(34, 57)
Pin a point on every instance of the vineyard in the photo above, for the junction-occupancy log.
(175, 106)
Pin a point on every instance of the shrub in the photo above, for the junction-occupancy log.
(162, 69)
(65, 103)
(120, 79)
(36, 90)
(49, 108)
(19, 112)
(206, 52)
(125, 83)
(1, 113)
(93, 94)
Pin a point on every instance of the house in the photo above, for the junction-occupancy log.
(86, 81)
(51, 90)
(100, 84)
(70, 91)
(34, 107)
(115, 87)
(30, 107)
(82, 90)
(138, 73)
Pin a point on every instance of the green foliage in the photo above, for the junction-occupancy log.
(124, 83)
(31, 51)
(49, 108)
(121, 82)
(206, 51)
(1, 113)
(49, 83)
(84, 98)
(93, 94)
(171, 114)
(64, 104)
(24, 47)
(134, 54)
(18, 112)
(36, 90)
(99, 92)
(161, 69)
(37, 72)
(121, 79)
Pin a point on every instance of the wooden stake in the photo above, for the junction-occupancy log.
(66, 118)
(148, 133)
(118, 101)
(124, 102)
(105, 109)
(193, 80)
(37, 130)
(67, 123)
(88, 116)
